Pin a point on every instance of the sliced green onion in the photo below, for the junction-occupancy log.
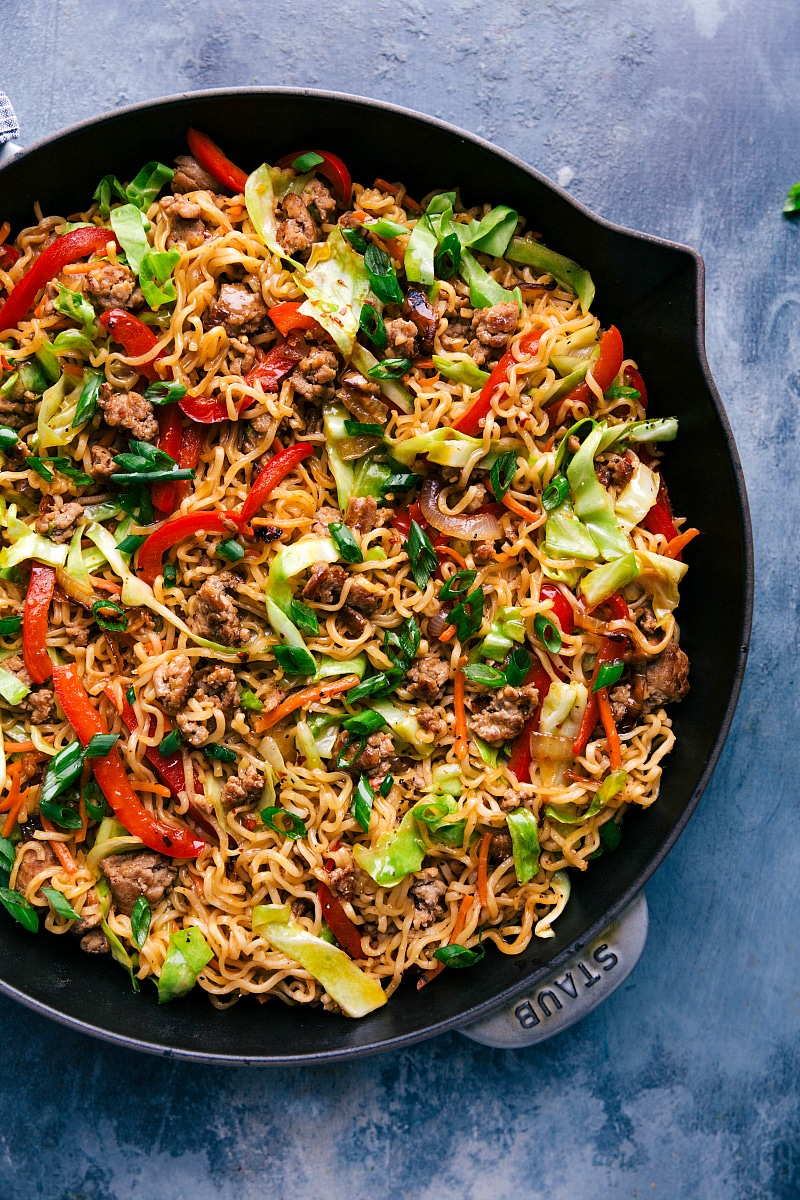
(459, 956)
(250, 701)
(155, 476)
(95, 801)
(101, 744)
(38, 465)
(221, 753)
(458, 585)
(517, 666)
(304, 618)
(390, 368)
(21, 910)
(378, 685)
(60, 814)
(141, 916)
(66, 467)
(346, 544)
(487, 676)
(401, 647)
(62, 770)
(8, 438)
(401, 482)
(130, 695)
(448, 257)
(287, 824)
(548, 633)
(421, 555)
(170, 743)
(132, 542)
(112, 626)
(170, 575)
(386, 785)
(363, 800)
(364, 723)
(610, 835)
(608, 674)
(165, 393)
(555, 493)
(371, 322)
(60, 903)
(363, 429)
(295, 660)
(87, 405)
(343, 763)
(502, 473)
(231, 550)
(306, 162)
(618, 392)
(382, 276)
(357, 240)
(468, 616)
(9, 625)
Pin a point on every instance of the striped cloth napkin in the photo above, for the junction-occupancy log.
(9, 126)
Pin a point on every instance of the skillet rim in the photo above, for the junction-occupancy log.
(476, 1012)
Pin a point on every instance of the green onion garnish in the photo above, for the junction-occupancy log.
(101, 744)
(231, 550)
(458, 585)
(221, 753)
(9, 625)
(361, 808)
(390, 368)
(363, 429)
(347, 545)
(421, 555)
(118, 626)
(608, 674)
(448, 257)
(502, 474)
(371, 322)
(555, 493)
(287, 824)
(306, 162)
(547, 632)
(250, 701)
(170, 743)
(382, 276)
(459, 956)
(295, 660)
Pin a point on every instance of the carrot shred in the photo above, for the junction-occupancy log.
(13, 801)
(60, 850)
(142, 785)
(459, 687)
(394, 190)
(447, 634)
(677, 544)
(79, 268)
(451, 553)
(105, 585)
(527, 514)
(18, 747)
(483, 869)
(606, 716)
(303, 699)
(235, 210)
(461, 920)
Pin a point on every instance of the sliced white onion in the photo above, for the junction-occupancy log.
(471, 527)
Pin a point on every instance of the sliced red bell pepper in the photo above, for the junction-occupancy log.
(274, 367)
(111, 775)
(211, 159)
(8, 256)
(469, 422)
(287, 316)
(604, 369)
(170, 770)
(152, 551)
(617, 606)
(78, 243)
(519, 764)
(270, 476)
(136, 338)
(659, 520)
(339, 923)
(35, 620)
(167, 496)
(609, 651)
(562, 609)
(402, 518)
(634, 380)
(331, 167)
(170, 422)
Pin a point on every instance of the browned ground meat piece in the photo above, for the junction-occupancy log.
(38, 857)
(186, 228)
(625, 705)
(430, 720)
(237, 309)
(510, 800)
(77, 635)
(130, 410)
(326, 583)
(500, 847)
(58, 520)
(243, 360)
(484, 552)
(494, 326)
(191, 177)
(614, 469)
(298, 230)
(171, 682)
(352, 621)
(313, 374)
(455, 335)
(427, 893)
(502, 716)
(426, 678)
(143, 873)
(103, 465)
(363, 514)
(215, 614)
(217, 685)
(41, 703)
(95, 942)
(342, 882)
(90, 914)
(401, 338)
(195, 732)
(363, 598)
(323, 518)
(317, 194)
(244, 788)
(114, 286)
(667, 678)
(375, 759)
(646, 619)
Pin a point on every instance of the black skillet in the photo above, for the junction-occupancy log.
(653, 291)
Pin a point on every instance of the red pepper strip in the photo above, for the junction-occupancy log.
(112, 777)
(170, 421)
(287, 316)
(469, 422)
(618, 606)
(658, 520)
(133, 335)
(152, 551)
(78, 243)
(8, 256)
(331, 168)
(562, 609)
(605, 369)
(609, 651)
(339, 923)
(211, 159)
(635, 381)
(35, 619)
(519, 764)
(401, 521)
(274, 367)
(170, 771)
(270, 476)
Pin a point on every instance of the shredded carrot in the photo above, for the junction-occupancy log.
(483, 865)
(105, 585)
(303, 699)
(5, 230)
(451, 553)
(459, 685)
(501, 558)
(527, 514)
(13, 801)
(60, 850)
(360, 216)
(142, 785)
(18, 747)
(447, 634)
(677, 544)
(79, 268)
(235, 210)
(39, 310)
(394, 190)
(461, 920)
(606, 716)
(425, 364)
(71, 369)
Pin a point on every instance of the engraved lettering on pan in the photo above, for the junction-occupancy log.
(527, 1014)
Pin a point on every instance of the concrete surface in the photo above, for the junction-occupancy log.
(680, 119)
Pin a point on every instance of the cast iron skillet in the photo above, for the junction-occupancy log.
(653, 291)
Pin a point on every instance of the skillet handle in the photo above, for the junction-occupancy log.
(9, 131)
(575, 989)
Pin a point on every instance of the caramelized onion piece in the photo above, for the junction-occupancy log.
(85, 596)
(418, 308)
(552, 746)
(472, 527)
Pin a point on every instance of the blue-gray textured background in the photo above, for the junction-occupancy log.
(682, 119)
